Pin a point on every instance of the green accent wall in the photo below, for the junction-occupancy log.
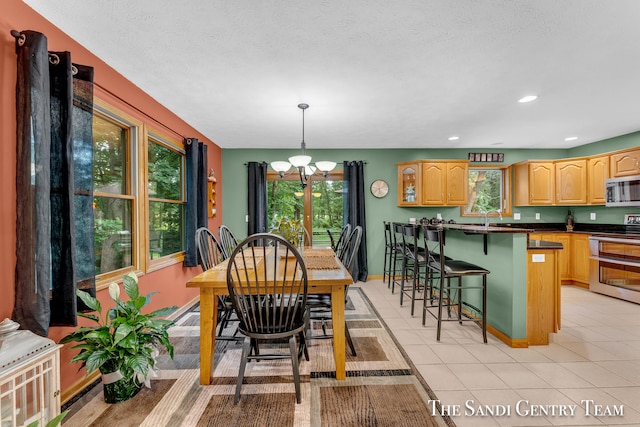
(381, 164)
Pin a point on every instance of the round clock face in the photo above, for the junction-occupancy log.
(379, 188)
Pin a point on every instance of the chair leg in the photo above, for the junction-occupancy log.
(294, 366)
(384, 267)
(349, 340)
(484, 308)
(440, 306)
(243, 364)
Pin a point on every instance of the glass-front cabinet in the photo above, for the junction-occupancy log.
(409, 184)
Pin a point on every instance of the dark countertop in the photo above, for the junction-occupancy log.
(481, 229)
(551, 227)
(543, 244)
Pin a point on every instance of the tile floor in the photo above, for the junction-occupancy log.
(591, 367)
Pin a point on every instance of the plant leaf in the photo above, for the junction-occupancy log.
(97, 359)
(163, 311)
(93, 317)
(122, 331)
(90, 301)
(130, 282)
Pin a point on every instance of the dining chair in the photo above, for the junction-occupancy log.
(267, 283)
(228, 240)
(342, 240)
(320, 304)
(210, 254)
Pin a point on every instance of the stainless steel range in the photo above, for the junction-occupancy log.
(615, 266)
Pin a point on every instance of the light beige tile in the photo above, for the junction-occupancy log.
(596, 375)
(558, 352)
(553, 402)
(421, 354)
(557, 376)
(476, 376)
(517, 376)
(440, 377)
(595, 396)
(453, 354)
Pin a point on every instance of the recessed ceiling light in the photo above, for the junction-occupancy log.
(528, 98)
(571, 138)
(454, 138)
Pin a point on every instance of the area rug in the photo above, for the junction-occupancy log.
(382, 387)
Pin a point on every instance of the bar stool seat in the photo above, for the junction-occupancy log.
(451, 295)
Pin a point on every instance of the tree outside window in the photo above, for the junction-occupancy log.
(488, 190)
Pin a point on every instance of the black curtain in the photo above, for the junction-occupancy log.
(82, 181)
(196, 217)
(46, 228)
(355, 213)
(257, 198)
(33, 208)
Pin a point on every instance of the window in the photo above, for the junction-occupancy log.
(319, 205)
(488, 190)
(114, 195)
(139, 195)
(166, 199)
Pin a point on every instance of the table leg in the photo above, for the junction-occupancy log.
(339, 344)
(208, 317)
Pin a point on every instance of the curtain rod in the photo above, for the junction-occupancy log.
(21, 39)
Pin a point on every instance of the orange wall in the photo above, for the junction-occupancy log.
(170, 281)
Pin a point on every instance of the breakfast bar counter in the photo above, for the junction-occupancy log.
(523, 289)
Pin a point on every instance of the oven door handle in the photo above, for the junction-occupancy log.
(615, 261)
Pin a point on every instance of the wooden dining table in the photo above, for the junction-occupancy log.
(326, 275)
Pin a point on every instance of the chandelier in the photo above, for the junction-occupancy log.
(302, 162)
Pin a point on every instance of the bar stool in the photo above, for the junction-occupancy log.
(388, 254)
(450, 296)
(414, 261)
(398, 254)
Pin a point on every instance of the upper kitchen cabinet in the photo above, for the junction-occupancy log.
(445, 183)
(433, 183)
(409, 184)
(534, 183)
(625, 163)
(570, 178)
(598, 173)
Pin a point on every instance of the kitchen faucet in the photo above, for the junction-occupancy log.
(486, 216)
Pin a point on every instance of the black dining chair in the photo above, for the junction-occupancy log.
(210, 254)
(228, 240)
(267, 283)
(320, 304)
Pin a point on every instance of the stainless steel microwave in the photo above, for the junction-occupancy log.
(623, 191)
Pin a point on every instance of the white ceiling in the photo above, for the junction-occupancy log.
(376, 73)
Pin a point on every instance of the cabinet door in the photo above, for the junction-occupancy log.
(433, 184)
(541, 183)
(564, 255)
(408, 184)
(625, 164)
(580, 258)
(571, 176)
(596, 176)
(457, 183)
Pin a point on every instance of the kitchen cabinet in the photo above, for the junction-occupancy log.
(534, 183)
(433, 183)
(564, 255)
(445, 183)
(543, 295)
(580, 259)
(598, 172)
(625, 163)
(409, 184)
(570, 176)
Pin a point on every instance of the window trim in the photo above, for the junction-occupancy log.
(334, 175)
(506, 191)
(176, 145)
(138, 133)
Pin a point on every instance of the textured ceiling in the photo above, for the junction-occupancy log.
(376, 73)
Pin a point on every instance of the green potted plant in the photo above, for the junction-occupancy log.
(123, 345)
(291, 229)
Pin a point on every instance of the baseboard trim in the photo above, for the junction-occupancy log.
(78, 387)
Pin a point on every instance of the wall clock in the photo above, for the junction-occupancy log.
(379, 188)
